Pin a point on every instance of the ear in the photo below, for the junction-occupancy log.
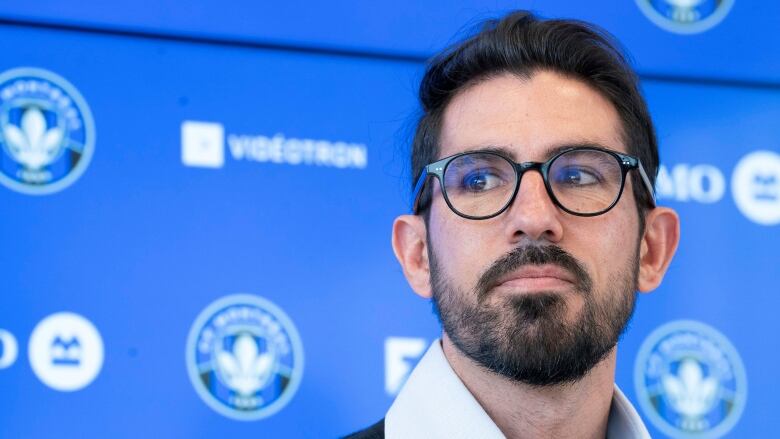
(411, 248)
(659, 243)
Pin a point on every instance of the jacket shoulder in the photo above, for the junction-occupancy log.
(376, 431)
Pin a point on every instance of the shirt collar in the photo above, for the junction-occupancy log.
(435, 403)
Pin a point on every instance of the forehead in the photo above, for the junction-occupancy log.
(529, 116)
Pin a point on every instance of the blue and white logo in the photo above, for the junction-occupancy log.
(690, 381)
(47, 135)
(685, 16)
(401, 354)
(755, 185)
(244, 357)
(66, 351)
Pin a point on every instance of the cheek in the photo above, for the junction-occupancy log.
(461, 252)
(606, 243)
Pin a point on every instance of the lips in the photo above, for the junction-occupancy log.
(537, 276)
(534, 269)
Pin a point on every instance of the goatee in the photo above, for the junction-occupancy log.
(527, 337)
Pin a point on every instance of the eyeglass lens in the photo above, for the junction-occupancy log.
(583, 181)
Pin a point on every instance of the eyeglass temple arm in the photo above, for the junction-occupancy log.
(418, 190)
(646, 180)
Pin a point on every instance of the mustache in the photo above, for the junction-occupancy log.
(534, 255)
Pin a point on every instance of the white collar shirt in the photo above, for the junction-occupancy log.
(434, 403)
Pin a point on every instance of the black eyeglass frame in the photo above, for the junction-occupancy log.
(438, 168)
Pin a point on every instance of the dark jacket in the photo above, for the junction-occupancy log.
(376, 431)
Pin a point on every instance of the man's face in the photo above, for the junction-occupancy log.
(535, 294)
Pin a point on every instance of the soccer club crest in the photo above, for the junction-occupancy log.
(685, 16)
(690, 381)
(47, 134)
(244, 357)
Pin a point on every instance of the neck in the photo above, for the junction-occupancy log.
(572, 410)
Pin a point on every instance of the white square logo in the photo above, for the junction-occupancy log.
(202, 144)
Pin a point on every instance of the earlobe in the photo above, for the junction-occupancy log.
(411, 249)
(659, 243)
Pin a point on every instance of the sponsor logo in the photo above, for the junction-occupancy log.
(683, 182)
(203, 145)
(690, 381)
(755, 185)
(685, 16)
(47, 135)
(401, 354)
(244, 357)
(66, 351)
(8, 349)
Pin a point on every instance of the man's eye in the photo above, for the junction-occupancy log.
(480, 181)
(573, 176)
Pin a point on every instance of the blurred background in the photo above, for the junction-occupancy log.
(196, 201)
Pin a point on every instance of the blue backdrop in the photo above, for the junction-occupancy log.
(154, 231)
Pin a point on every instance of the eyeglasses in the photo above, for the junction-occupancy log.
(583, 181)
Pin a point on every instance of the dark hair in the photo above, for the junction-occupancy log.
(522, 44)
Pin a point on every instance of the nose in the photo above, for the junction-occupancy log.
(533, 215)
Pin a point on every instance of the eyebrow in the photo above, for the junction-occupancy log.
(549, 152)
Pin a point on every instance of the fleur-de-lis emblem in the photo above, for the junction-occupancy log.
(689, 392)
(31, 143)
(245, 370)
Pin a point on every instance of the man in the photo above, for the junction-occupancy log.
(533, 227)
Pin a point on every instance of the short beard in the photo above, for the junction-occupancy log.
(526, 338)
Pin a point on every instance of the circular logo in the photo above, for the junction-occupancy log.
(755, 185)
(244, 357)
(66, 351)
(47, 135)
(690, 380)
(685, 16)
(8, 349)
